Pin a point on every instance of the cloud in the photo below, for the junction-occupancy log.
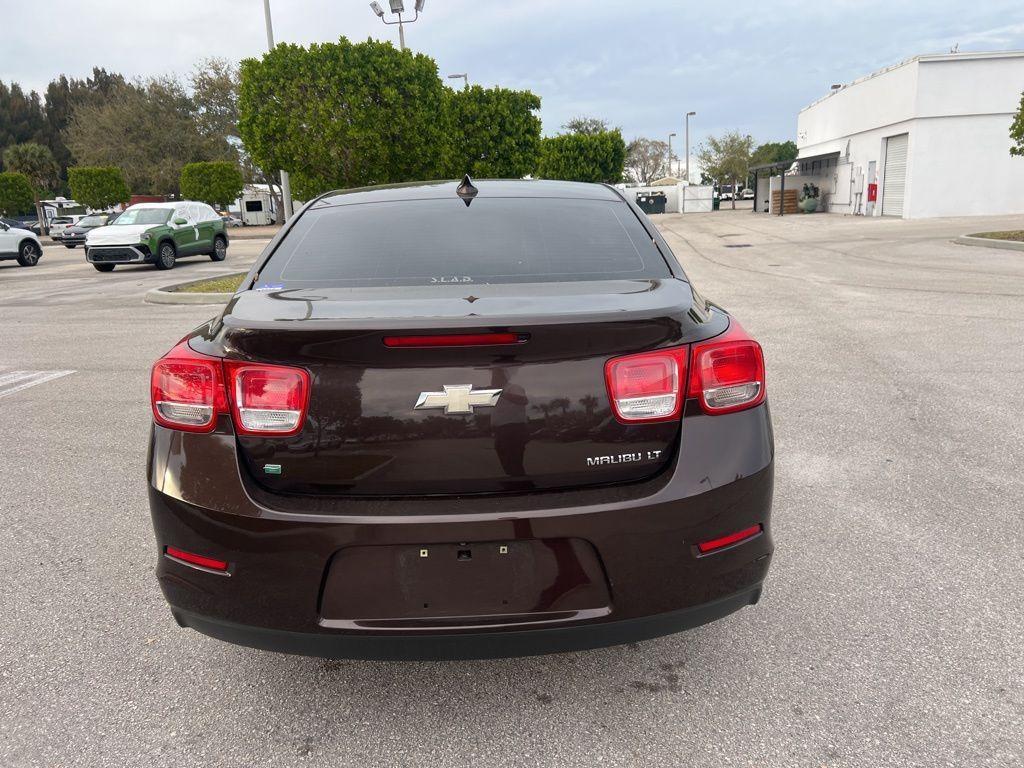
(744, 66)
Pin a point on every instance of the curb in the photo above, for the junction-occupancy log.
(988, 242)
(252, 235)
(172, 294)
(167, 296)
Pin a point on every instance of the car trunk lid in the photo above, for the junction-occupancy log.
(529, 413)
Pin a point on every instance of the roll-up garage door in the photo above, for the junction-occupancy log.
(895, 182)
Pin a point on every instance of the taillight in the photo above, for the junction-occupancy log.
(267, 399)
(727, 373)
(190, 390)
(187, 390)
(648, 386)
(455, 340)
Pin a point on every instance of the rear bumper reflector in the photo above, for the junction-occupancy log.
(727, 541)
(209, 563)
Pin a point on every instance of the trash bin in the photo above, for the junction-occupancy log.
(716, 203)
(651, 202)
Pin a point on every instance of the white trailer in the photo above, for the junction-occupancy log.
(256, 207)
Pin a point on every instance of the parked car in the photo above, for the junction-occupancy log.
(74, 235)
(57, 226)
(231, 221)
(533, 436)
(158, 234)
(747, 194)
(31, 226)
(20, 244)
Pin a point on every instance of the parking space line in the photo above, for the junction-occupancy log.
(15, 381)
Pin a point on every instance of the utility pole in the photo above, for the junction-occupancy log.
(286, 187)
(688, 116)
(670, 154)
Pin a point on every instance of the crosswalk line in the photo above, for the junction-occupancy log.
(16, 381)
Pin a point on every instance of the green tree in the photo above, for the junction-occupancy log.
(148, 129)
(495, 133)
(587, 126)
(774, 152)
(344, 115)
(597, 157)
(726, 158)
(1017, 130)
(214, 84)
(15, 194)
(36, 163)
(63, 95)
(21, 116)
(98, 188)
(218, 183)
(645, 160)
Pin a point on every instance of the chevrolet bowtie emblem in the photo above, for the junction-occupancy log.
(458, 398)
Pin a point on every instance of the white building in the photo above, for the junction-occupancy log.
(932, 133)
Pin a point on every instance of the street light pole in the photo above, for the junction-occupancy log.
(398, 8)
(688, 116)
(286, 187)
(463, 75)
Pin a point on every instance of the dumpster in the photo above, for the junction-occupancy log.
(651, 202)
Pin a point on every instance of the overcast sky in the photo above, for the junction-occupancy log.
(739, 65)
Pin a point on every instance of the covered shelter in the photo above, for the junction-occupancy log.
(777, 185)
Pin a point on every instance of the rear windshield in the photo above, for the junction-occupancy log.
(494, 240)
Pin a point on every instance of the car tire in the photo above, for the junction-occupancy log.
(28, 254)
(103, 267)
(165, 255)
(70, 245)
(220, 249)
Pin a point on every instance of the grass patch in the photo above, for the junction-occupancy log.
(1016, 235)
(224, 284)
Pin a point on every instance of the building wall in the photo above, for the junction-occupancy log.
(867, 104)
(957, 111)
(855, 155)
(982, 179)
(960, 84)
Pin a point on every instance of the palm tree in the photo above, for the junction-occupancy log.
(36, 163)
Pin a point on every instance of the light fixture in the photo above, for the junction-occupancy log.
(398, 8)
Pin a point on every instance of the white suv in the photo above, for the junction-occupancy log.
(19, 244)
(58, 224)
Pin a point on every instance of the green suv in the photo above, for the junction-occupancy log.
(159, 234)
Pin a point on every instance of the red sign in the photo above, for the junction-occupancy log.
(872, 193)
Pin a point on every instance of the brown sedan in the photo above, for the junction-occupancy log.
(461, 420)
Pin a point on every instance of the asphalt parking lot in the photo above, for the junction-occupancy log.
(890, 633)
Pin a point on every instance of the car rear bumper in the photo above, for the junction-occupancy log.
(469, 645)
(287, 590)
